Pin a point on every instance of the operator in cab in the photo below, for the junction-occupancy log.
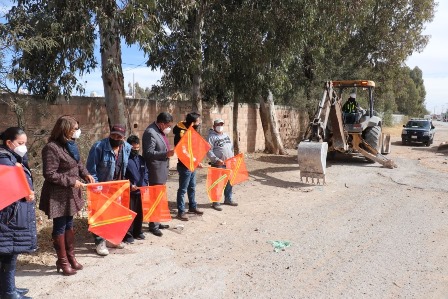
(352, 110)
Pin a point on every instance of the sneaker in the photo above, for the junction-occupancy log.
(140, 236)
(182, 216)
(101, 248)
(216, 206)
(231, 203)
(195, 211)
(112, 245)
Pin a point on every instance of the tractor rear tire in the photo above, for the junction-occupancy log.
(372, 136)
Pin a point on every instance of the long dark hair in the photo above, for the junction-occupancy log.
(62, 128)
(11, 134)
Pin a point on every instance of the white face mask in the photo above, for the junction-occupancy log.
(77, 134)
(20, 150)
(219, 129)
(166, 130)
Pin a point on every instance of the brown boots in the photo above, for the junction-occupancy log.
(63, 244)
(70, 249)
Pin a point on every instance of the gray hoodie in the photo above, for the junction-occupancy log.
(222, 147)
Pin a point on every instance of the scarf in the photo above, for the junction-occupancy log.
(72, 149)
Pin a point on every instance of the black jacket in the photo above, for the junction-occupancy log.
(17, 221)
(136, 172)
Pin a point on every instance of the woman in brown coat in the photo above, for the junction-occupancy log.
(61, 193)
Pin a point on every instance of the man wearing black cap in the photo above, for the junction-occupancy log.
(107, 161)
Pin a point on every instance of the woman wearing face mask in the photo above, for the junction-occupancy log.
(61, 193)
(18, 220)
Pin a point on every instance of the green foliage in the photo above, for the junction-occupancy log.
(291, 47)
(54, 41)
(241, 49)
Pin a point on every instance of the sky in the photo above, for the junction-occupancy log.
(134, 70)
(433, 61)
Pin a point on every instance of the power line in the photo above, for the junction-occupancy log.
(135, 65)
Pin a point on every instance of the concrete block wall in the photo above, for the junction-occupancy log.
(39, 118)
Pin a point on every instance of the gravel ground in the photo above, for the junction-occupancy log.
(370, 232)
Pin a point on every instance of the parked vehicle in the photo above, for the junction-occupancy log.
(418, 130)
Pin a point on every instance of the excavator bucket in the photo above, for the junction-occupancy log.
(312, 158)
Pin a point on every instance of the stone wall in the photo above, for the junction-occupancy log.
(39, 118)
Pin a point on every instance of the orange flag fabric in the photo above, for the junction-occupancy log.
(155, 204)
(239, 170)
(217, 179)
(109, 216)
(13, 185)
(191, 149)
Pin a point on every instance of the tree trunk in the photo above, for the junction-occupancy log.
(273, 142)
(236, 142)
(112, 74)
(196, 96)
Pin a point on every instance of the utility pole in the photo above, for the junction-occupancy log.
(133, 86)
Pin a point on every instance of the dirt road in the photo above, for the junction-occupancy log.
(371, 232)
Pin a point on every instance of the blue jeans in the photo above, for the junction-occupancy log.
(61, 224)
(8, 273)
(187, 184)
(227, 189)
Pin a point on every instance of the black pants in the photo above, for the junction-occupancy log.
(7, 273)
(136, 206)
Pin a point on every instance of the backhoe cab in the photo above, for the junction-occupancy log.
(333, 130)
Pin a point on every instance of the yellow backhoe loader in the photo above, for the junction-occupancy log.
(333, 130)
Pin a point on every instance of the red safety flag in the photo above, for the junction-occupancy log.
(191, 148)
(239, 170)
(155, 204)
(108, 217)
(217, 179)
(13, 185)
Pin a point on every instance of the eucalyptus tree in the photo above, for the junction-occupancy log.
(177, 49)
(12, 39)
(74, 27)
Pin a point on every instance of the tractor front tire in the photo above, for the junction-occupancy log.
(372, 136)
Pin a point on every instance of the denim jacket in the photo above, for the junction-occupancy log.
(101, 160)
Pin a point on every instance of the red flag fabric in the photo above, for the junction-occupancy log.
(155, 204)
(239, 170)
(191, 148)
(108, 218)
(13, 185)
(217, 179)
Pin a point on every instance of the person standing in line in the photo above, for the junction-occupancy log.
(157, 153)
(18, 220)
(137, 174)
(107, 161)
(221, 150)
(187, 178)
(61, 196)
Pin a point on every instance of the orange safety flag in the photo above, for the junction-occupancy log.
(155, 204)
(108, 217)
(191, 149)
(13, 184)
(217, 179)
(239, 170)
